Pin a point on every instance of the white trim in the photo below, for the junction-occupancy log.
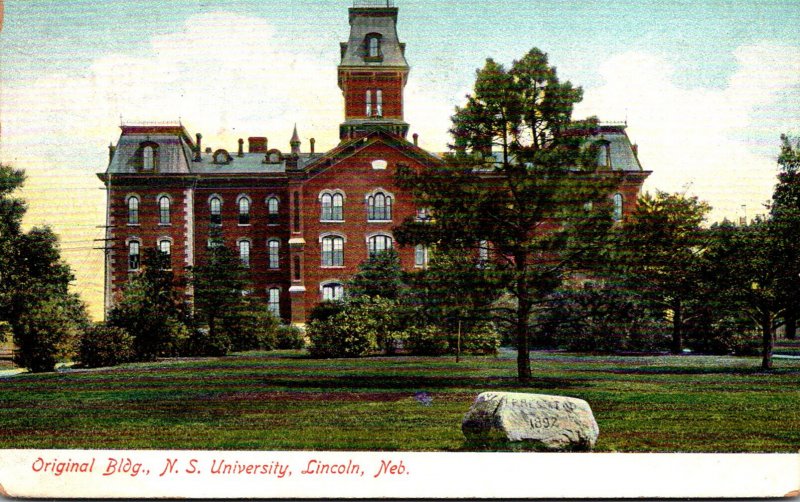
(297, 289)
(380, 164)
(324, 235)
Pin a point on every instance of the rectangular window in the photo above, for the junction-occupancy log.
(421, 256)
(274, 254)
(379, 103)
(368, 111)
(274, 302)
(133, 255)
(333, 252)
(244, 253)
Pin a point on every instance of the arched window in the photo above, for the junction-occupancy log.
(215, 207)
(379, 103)
(274, 301)
(274, 247)
(133, 210)
(273, 206)
(148, 158)
(368, 110)
(244, 211)
(378, 244)
(133, 255)
(617, 214)
(244, 253)
(333, 251)
(332, 291)
(379, 207)
(332, 207)
(163, 210)
(421, 256)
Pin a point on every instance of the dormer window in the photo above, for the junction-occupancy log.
(604, 155)
(222, 157)
(373, 48)
(149, 156)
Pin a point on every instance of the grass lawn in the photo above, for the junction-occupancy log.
(282, 400)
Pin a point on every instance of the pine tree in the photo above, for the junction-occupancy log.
(521, 188)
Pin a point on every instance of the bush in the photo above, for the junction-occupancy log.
(103, 345)
(345, 335)
(601, 319)
(203, 343)
(253, 327)
(727, 335)
(46, 333)
(325, 310)
(483, 339)
(426, 341)
(290, 338)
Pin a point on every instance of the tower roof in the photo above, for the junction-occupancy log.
(368, 19)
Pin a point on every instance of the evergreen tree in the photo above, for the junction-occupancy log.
(220, 286)
(381, 275)
(659, 251)
(521, 188)
(152, 311)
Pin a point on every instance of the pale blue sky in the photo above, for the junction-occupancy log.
(707, 86)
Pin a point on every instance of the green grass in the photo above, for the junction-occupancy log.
(276, 401)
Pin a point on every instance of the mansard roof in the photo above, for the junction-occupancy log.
(366, 21)
(623, 156)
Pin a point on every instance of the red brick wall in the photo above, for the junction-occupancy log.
(148, 231)
(258, 232)
(355, 90)
(356, 177)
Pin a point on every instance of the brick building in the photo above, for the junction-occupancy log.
(302, 221)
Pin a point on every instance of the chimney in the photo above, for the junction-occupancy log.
(111, 150)
(199, 150)
(241, 147)
(635, 149)
(312, 141)
(257, 144)
(416, 139)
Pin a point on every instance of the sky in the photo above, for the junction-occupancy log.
(706, 87)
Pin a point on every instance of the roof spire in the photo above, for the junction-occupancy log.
(295, 141)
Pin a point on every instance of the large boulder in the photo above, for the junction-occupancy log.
(531, 421)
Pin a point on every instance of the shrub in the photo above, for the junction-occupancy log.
(46, 334)
(290, 338)
(252, 327)
(426, 341)
(483, 339)
(103, 345)
(347, 334)
(325, 310)
(202, 343)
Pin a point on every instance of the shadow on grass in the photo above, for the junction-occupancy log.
(414, 383)
(701, 371)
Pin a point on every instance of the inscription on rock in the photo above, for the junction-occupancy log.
(536, 421)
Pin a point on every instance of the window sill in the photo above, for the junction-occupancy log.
(244, 225)
(332, 267)
(134, 225)
(331, 221)
(380, 221)
(165, 224)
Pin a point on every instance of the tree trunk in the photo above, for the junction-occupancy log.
(677, 329)
(791, 326)
(766, 350)
(523, 314)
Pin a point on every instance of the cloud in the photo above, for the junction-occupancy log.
(720, 143)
